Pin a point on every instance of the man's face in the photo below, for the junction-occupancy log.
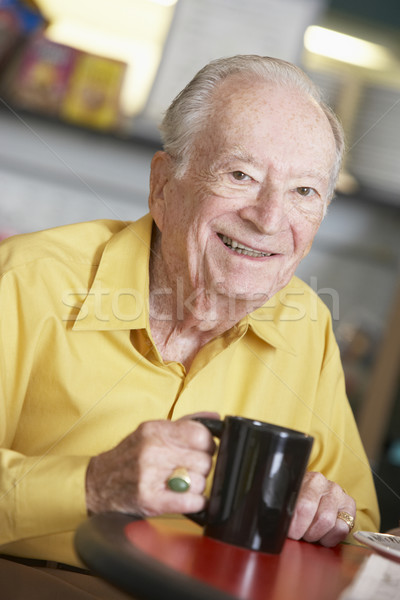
(250, 202)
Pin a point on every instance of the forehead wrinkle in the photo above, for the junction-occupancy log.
(319, 176)
(237, 153)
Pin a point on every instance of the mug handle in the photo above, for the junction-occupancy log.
(216, 427)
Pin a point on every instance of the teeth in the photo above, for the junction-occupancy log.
(241, 248)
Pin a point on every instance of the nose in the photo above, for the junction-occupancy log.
(268, 213)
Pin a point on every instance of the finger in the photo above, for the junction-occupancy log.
(313, 486)
(155, 468)
(185, 503)
(156, 498)
(193, 460)
(171, 502)
(169, 434)
(325, 518)
(191, 501)
(190, 434)
(341, 529)
(336, 535)
(197, 484)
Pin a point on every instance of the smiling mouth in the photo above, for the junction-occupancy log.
(241, 248)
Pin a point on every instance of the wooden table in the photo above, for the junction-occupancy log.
(170, 559)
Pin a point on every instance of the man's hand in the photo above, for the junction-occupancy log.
(315, 517)
(131, 478)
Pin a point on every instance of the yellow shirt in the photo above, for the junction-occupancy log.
(79, 372)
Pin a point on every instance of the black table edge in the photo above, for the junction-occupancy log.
(101, 544)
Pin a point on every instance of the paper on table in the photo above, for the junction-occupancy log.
(377, 579)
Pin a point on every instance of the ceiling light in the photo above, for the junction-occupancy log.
(347, 48)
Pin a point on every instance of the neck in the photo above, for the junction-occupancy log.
(183, 318)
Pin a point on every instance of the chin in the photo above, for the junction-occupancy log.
(241, 286)
(239, 293)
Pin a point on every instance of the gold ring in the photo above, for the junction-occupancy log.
(348, 519)
(179, 480)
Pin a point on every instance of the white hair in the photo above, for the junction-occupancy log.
(189, 112)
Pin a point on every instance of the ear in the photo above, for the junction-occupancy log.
(159, 176)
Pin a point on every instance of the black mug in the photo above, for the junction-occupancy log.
(257, 478)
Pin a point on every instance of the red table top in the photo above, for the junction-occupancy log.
(302, 571)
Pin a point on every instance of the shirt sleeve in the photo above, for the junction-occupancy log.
(341, 456)
(39, 494)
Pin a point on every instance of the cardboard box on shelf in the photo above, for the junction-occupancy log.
(40, 77)
(93, 96)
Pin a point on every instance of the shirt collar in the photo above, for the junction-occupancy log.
(265, 323)
(118, 296)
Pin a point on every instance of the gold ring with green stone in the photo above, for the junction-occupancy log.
(179, 480)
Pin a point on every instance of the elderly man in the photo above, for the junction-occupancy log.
(114, 333)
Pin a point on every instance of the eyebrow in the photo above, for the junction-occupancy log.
(238, 153)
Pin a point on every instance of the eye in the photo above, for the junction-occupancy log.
(240, 176)
(306, 191)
